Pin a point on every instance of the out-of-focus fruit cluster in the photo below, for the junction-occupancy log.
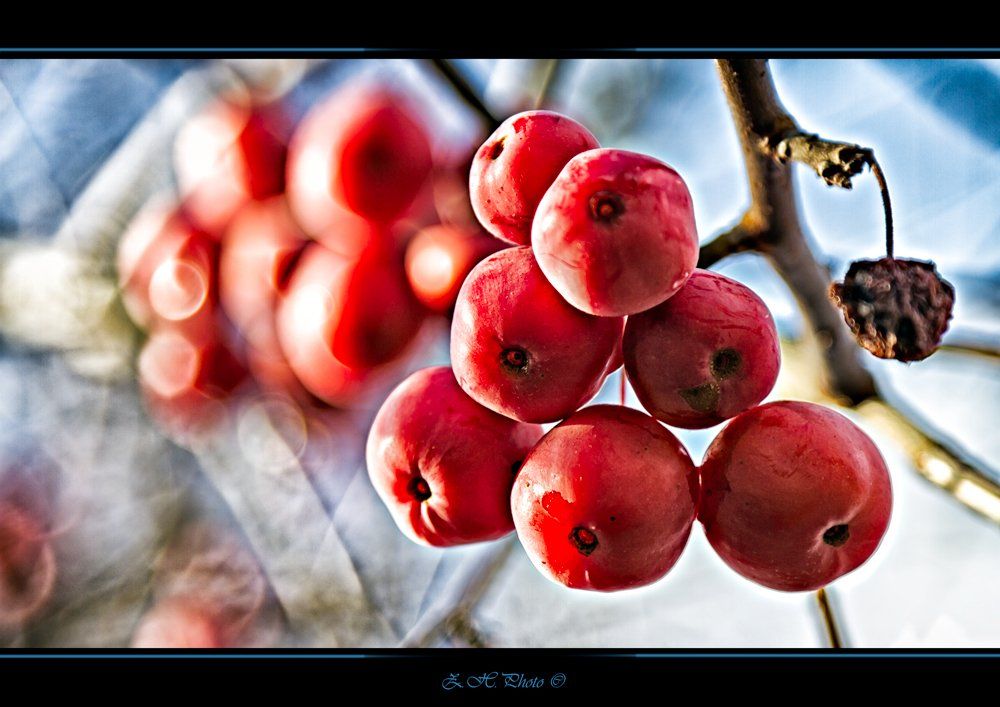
(301, 260)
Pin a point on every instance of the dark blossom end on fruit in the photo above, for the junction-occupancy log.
(897, 308)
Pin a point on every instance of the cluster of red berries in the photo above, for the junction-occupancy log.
(307, 260)
(791, 495)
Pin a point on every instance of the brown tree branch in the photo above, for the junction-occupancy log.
(771, 139)
(737, 239)
(454, 606)
(835, 162)
(465, 91)
(771, 224)
(939, 460)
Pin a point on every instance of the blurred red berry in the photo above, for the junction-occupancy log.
(362, 149)
(231, 153)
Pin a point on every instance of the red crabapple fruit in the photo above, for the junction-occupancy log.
(443, 464)
(794, 495)
(27, 565)
(375, 315)
(439, 258)
(606, 500)
(519, 349)
(167, 270)
(615, 233)
(362, 149)
(343, 316)
(516, 164)
(706, 354)
(231, 153)
(186, 380)
(178, 624)
(259, 252)
(301, 323)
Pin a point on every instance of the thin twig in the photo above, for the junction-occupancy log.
(460, 596)
(550, 81)
(736, 239)
(970, 348)
(829, 619)
(465, 91)
(939, 460)
(834, 161)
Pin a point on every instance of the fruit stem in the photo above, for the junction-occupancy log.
(621, 391)
(886, 204)
(829, 620)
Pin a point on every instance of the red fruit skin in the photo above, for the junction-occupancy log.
(27, 564)
(259, 252)
(168, 271)
(439, 258)
(302, 322)
(618, 474)
(516, 164)
(231, 153)
(186, 381)
(178, 624)
(780, 476)
(638, 254)
(363, 149)
(468, 456)
(505, 305)
(706, 354)
(379, 316)
(342, 318)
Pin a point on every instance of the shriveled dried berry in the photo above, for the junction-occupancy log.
(897, 308)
